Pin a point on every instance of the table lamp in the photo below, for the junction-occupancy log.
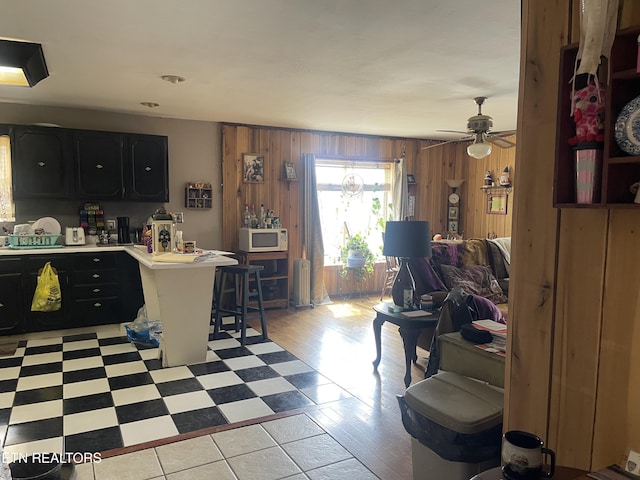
(405, 240)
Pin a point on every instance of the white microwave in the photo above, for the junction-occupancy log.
(263, 240)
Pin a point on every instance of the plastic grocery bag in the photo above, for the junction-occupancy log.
(142, 331)
(47, 297)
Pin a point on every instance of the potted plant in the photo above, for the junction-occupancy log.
(357, 257)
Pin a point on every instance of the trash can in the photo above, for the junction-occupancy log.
(31, 468)
(456, 426)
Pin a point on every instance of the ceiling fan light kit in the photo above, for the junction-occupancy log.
(479, 150)
(479, 129)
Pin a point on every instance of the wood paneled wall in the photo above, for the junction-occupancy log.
(431, 168)
(573, 312)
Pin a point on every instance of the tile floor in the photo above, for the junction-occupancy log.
(95, 391)
(294, 447)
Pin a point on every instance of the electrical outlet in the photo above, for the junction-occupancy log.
(111, 224)
(178, 217)
(633, 463)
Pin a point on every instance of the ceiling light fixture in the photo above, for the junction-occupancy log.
(150, 104)
(173, 78)
(479, 149)
(21, 63)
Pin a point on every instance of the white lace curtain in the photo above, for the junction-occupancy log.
(7, 207)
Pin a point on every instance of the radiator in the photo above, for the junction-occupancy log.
(301, 282)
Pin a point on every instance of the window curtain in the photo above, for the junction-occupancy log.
(312, 246)
(400, 194)
(7, 207)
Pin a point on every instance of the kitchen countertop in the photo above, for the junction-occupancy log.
(62, 249)
(139, 252)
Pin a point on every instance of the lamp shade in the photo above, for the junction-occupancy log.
(479, 149)
(407, 239)
(26, 59)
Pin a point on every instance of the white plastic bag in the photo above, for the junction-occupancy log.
(143, 331)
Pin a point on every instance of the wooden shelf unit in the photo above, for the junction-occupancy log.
(622, 84)
(198, 196)
(274, 277)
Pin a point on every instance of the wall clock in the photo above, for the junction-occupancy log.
(453, 212)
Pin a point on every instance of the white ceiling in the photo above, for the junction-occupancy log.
(382, 67)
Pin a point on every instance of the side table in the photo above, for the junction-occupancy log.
(409, 331)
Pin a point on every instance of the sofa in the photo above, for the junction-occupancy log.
(479, 266)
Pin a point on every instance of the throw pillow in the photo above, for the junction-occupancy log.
(476, 279)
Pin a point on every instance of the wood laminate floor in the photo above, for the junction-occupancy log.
(337, 341)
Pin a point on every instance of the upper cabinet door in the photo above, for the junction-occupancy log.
(148, 168)
(40, 162)
(99, 158)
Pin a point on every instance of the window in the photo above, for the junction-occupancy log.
(7, 207)
(354, 198)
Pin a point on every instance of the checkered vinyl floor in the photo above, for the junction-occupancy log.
(96, 391)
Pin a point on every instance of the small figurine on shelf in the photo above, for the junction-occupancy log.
(587, 110)
(488, 179)
(505, 181)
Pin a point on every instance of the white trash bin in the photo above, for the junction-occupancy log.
(456, 426)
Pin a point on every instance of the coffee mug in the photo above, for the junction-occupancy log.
(522, 455)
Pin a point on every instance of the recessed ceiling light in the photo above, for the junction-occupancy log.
(150, 104)
(173, 78)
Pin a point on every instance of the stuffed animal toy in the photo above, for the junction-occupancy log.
(588, 111)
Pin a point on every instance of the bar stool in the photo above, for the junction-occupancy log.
(239, 275)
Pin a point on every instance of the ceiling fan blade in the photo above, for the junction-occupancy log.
(504, 133)
(500, 142)
(453, 131)
(439, 144)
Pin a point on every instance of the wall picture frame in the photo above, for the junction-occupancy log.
(453, 213)
(252, 168)
(453, 226)
(497, 204)
(411, 179)
(290, 171)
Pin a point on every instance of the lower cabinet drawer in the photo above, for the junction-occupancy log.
(91, 277)
(96, 311)
(88, 292)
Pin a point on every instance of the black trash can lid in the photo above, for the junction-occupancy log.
(457, 402)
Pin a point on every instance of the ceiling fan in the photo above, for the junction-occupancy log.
(479, 130)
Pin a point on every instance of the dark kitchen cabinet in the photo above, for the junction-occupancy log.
(60, 163)
(11, 301)
(41, 166)
(43, 321)
(147, 173)
(96, 289)
(120, 166)
(99, 165)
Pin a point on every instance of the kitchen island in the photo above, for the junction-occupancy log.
(178, 294)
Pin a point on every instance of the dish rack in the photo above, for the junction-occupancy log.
(46, 240)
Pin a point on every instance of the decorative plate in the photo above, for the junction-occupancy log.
(627, 128)
(48, 224)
